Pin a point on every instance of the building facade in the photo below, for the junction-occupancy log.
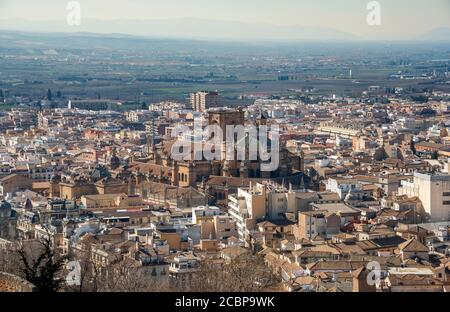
(434, 192)
(201, 101)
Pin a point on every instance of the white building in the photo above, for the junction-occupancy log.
(41, 172)
(204, 213)
(139, 116)
(184, 263)
(342, 186)
(261, 202)
(434, 192)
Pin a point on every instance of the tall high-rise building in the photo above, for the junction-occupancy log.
(201, 101)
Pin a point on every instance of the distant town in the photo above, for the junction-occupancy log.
(92, 198)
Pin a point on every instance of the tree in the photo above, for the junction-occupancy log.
(58, 94)
(121, 276)
(41, 266)
(4, 228)
(246, 273)
(9, 261)
(435, 155)
(380, 154)
(125, 277)
(420, 98)
(49, 94)
(312, 173)
(87, 279)
(413, 147)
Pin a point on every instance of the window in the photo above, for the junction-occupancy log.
(446, 194)
(446, 202)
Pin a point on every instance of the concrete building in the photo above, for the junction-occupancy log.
(261, 202)
(41, 172)
(13, 183)
(433, 190)
(201, 101)
(112, 201)
(204, 213)
(225, 227)
(342, 186)
(140, 116)
(346, 213)
(182, 264)
(317, 223)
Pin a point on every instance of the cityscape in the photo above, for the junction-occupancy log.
(187, 158)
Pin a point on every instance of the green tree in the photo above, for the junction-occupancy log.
(49, 94)
(380, 154)
(434, 155)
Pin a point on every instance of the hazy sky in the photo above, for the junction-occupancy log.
(400, 18)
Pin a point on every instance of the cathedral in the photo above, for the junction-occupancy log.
(193, 172)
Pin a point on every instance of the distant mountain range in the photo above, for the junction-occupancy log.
(190, 28)
(186, 28)
(442, 33)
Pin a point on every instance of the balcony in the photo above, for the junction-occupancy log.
(236, 216)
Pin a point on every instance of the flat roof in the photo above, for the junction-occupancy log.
(432, 177)
(337, 207)
(416, 271)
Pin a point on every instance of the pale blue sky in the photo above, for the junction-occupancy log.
(400, 18)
